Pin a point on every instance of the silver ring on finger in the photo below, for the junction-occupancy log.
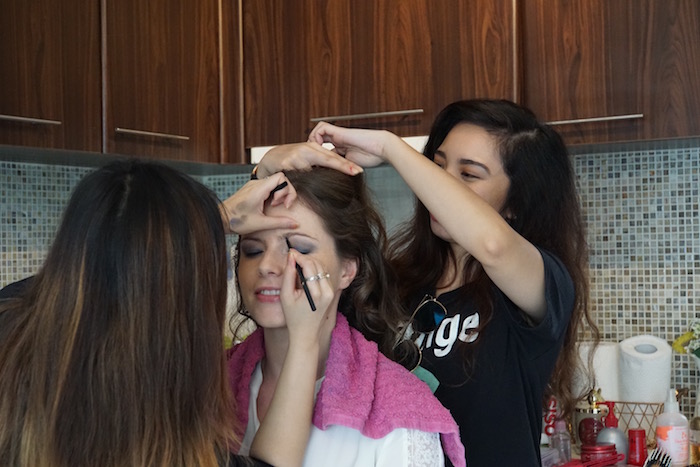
(318, 277)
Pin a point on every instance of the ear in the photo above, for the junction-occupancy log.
(348, 272)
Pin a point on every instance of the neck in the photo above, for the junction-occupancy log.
(453, 274)
(277, 345)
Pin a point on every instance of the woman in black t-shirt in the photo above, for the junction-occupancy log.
(495, 251)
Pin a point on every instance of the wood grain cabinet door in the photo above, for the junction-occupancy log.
(577, 63)
(312, 59)
(162, 79)
(669, 68)
(50, 74)
(622, 70)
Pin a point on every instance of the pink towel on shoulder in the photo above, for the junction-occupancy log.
(362, 389)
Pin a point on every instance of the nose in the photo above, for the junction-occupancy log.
(273, 261)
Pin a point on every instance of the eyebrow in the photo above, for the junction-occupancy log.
(464, 161)
(292, 233)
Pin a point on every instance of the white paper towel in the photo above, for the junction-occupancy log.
(605, 366)
(645, 369)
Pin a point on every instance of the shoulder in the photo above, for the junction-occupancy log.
(15, 289)
(555, 270)
(242, 461)
(346, 447)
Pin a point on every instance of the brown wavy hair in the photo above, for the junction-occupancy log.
(113, 356)
(543, 204)
(345, 206)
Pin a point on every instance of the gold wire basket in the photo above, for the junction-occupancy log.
(635, 415)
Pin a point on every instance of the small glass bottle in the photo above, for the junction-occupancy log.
(561, 441)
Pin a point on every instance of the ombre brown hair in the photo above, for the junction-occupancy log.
(113, 356)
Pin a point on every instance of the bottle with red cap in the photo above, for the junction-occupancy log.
(612, 434)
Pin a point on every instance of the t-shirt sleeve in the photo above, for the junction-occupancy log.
(15, 289)
(559, 297)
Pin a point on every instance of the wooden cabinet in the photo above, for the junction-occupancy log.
(668, 68)
(199, 80)
(158, 79)
(50, 74)
(309, 59)
(599, 60)
(163, 82)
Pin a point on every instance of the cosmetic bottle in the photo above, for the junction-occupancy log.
(694, 434)
(637, 447)
(672, 431)
(560, 441)
(612, 434)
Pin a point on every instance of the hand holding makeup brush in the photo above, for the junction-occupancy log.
(243, 211)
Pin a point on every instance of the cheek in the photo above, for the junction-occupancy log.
(495, 197)
(246, 277)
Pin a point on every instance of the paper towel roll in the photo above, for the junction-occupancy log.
(645, 369)
(605, 366)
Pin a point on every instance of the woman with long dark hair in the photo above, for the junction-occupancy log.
(113, 353)
(495, 257)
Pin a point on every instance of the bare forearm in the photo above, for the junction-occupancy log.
(283, 435)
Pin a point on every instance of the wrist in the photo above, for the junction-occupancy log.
(395, 148)
(304, 345)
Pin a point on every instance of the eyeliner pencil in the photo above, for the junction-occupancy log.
(300, 273)
(278, 188)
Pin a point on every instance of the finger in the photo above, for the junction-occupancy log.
(318, 133)
(333, 159)
(272, 182)
(305, 269)
(285, 195)
(288, 291)
(276, 222)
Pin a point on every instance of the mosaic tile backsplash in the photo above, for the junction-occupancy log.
(640, 205)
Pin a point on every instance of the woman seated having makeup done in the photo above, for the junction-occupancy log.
(369, 410)
(112, 355)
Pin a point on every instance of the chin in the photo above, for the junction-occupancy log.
(269, 319)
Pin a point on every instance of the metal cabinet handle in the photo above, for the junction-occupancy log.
(596, 119)
(129, 131)
(392, 113)
(40, 121)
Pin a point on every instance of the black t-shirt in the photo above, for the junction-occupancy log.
(241, 461)
(15, 289)
(499, 408)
